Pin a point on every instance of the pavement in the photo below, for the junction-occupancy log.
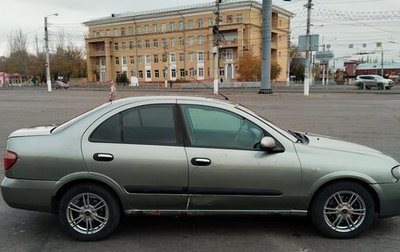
(368, 118)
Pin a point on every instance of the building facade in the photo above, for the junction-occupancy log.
(177, 44)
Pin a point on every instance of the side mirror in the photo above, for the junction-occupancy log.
(268, 143)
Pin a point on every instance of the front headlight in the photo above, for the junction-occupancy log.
(396, 172)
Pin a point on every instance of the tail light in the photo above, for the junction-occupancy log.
(10, 158)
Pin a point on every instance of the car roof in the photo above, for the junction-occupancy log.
(128, 100)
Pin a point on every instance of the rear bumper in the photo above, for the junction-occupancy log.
(28, 194)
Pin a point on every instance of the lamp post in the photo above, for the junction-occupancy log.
(265, 86)
(46, 39)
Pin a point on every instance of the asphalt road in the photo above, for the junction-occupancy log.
(369, 119)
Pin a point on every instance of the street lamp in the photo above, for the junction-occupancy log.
(46, 39)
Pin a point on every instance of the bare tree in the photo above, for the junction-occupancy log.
(18, 58)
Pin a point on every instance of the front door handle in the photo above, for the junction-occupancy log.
(201, 161)
(103, 157)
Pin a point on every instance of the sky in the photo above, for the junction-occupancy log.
(338, 22)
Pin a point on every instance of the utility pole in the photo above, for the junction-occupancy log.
(265, 87)
(46, 39)
(217, 38)
(307, 70)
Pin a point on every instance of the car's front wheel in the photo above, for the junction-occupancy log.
(89, 212)
(343, 210)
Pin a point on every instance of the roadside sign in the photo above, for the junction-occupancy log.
(314, 42)
(324, 55)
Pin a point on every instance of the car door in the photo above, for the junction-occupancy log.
(140, 148)
(227, 168)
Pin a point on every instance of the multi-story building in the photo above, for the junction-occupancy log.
(177, 44)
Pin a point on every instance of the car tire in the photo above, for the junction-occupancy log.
(88, 212)
(343, 210)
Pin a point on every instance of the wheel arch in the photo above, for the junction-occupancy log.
(64, 188)
(364, 184)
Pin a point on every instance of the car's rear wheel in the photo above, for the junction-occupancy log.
(343, 210)
(89, 212)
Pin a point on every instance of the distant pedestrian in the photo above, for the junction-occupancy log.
(113, 91)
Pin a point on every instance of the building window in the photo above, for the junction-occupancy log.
(239, 18)
(155, 43)
(201, 72)
(191, 72)
(148, 74)
(200, 56)
(140, 74)
(115, 33)
(190, 40)
(181, 25)
(181, 56)
(116, 60)
(123, 45)
(200, 40)
(116, 46)
(200, 23)
(172, 42)
(229, 19)
(123, 32)
(191, 56)
(182, 72)
(155, 28)
(173, 73)
(163, 43)
(147, 28)
(172, 26)
(148, 59)
(147, 43)
(222, 71)
(190, 24)
(181, 41)
(172, 58)
(138, 31)
(156, 73)
(229, 54)
(139, 59)
(132, 59)
(164, 73)
(124, 61)
(156, 58)
(132, 73)
(163, 27)
(139, 44)
(131, 45)
(209, 21)
(130, 31)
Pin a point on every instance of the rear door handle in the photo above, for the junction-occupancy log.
(201, 162)
(103, 157)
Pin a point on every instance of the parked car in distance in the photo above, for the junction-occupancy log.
(188, 155)
(373, 81)
(60, 85)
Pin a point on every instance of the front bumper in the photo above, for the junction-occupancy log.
(28, 194)
(389, 199)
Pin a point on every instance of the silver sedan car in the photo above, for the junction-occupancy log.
(187, 155)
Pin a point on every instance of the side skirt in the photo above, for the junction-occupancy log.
(215, 212)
